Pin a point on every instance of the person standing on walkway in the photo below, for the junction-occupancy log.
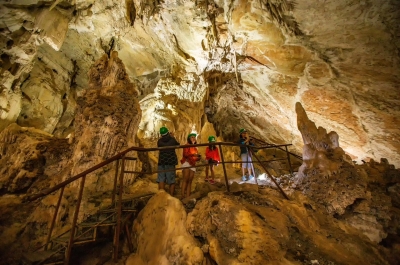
(190, 157)
(245, 153)
(212, 156)
(167, 160)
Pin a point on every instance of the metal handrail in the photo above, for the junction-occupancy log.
(121, 154)
(277, 146)
(119, 179)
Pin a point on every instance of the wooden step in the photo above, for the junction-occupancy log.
(94, 224)
(63, 240)
(114, 210)
(39, 256)
(129, 209)
(110, 210)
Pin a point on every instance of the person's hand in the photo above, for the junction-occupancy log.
(198, 156)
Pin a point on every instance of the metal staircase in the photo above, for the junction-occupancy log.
(110, 222)
(98, 227)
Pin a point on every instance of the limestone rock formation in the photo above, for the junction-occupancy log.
(161, 236)
(105, 123)
(358, 194)
(28, 155)
(212, 66)
(31, 160)
(248, 228)
(255, 59)
(107, 115)
(322, 155)
(177, 103)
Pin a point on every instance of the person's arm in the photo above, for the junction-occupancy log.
(248, 140)
(174, 139)
(251, 141)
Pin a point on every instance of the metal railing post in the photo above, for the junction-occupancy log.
(54, 218)
(75, 219)
(119, 210)
(271, 177)
(223, 166)
(288, 158)
(117, 202)
(115, 183)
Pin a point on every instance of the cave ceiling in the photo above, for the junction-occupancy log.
(233, 63)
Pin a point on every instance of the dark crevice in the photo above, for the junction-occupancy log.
(110, 47)
(130, 11)
(10, 43)
(278, 11)
(74, 74)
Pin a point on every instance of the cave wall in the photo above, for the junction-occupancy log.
(250, 60)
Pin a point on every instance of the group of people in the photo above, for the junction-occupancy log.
(168, 159)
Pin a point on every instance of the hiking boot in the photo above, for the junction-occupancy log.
(244, 178)
(251, 177)
(211, 181)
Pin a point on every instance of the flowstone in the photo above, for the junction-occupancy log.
(362, 196)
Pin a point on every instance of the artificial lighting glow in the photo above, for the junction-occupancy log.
(262, 176)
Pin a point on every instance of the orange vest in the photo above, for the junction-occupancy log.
(189, 155)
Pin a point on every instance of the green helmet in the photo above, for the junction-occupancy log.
(192, 134)
(163, 131)
(211, 139)
(242, 131)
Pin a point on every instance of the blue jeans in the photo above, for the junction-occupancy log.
(167, 177)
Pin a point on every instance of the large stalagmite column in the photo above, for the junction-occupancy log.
(322, 155)
(107, 116)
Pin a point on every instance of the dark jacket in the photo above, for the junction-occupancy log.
(243, 147)
(167, 157)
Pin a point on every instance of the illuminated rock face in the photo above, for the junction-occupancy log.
(259, 229)
(322, 155)
(249, 62)
(160, 234)
(356, 194)
(176, 103)
(105, 122)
